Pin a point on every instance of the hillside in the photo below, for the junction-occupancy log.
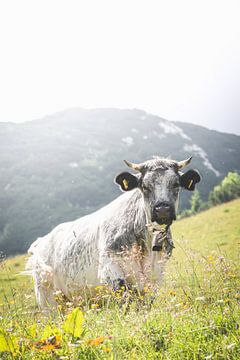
(61, 167)
(216, 229)
(194, 315)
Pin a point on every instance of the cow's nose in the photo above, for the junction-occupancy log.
(162, 209)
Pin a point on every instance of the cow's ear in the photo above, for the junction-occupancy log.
(189, 179)
(126, 181)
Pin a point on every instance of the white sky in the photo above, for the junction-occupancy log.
(177, 59)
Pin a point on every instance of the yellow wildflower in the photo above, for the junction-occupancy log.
(95, 342)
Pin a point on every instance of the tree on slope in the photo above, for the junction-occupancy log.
(227, 190)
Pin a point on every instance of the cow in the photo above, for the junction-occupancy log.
(124, 243)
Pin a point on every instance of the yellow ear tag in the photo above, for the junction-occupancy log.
(125, 183)
(190, 184)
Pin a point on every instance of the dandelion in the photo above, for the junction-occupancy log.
(210, 259)
(53, 342)
(107, 350)
(95, 342)
(47, 347)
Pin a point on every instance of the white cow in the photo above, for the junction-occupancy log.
(120, 243)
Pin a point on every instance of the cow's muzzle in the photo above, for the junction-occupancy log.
(163, 213)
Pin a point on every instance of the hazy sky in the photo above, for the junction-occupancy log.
(177, 59)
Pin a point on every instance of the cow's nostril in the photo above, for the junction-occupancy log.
(162, 205)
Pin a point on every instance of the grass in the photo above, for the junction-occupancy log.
(194, 315)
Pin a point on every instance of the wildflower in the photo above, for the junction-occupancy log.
(95, 342)
(210, 259)
(69, 304)
(53, 342)
(100, 287)
(200, 298)
(231, 346)
(107, 350)
(47, 347)
(94, 306)
(58, 293)
(178, 305)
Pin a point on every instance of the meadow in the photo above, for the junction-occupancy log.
(195, 314)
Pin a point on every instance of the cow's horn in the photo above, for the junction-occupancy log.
(183, 163)
(133, 166)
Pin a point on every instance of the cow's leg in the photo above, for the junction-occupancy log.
(110, 272)
(44, 289)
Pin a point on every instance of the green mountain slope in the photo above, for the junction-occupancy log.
(216, 229)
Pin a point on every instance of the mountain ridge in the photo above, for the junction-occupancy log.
(67, 110)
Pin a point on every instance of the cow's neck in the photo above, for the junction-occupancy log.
(142, 220)
(143, 226)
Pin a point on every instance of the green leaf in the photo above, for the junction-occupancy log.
(32, 330)
(74, 323)
(50, 331)
(7, 342)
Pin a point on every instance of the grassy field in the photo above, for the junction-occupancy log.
(194, 315)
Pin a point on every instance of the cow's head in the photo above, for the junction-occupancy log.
(159, 180)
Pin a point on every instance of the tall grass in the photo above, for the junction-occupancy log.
(195, 314)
